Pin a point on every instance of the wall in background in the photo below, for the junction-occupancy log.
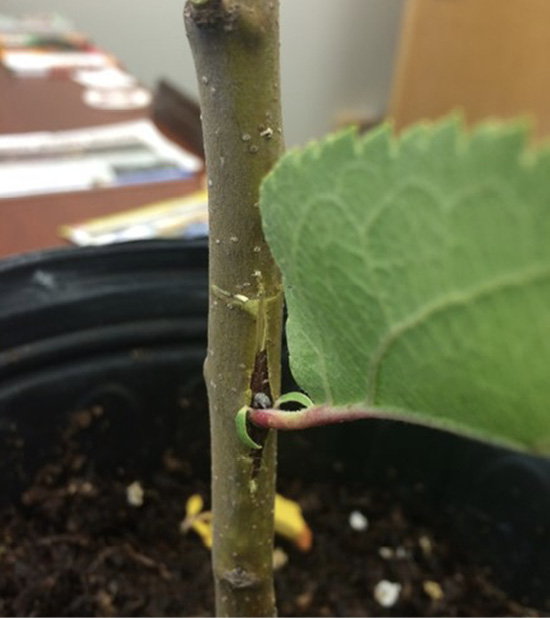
(337, 55)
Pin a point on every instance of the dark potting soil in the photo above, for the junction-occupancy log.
(74, 546)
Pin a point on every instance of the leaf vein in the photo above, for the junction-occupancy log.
(531, 276)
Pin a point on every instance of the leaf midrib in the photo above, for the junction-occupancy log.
(530, 276)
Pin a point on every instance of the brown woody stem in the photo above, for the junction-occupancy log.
(235, 45)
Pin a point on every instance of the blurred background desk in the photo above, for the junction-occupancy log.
(55, 103)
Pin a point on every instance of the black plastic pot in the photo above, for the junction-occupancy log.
(124, 328)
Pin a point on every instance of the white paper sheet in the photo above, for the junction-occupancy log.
(112, 155)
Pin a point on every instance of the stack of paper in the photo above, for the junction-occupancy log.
(106, 156)
(41, 44)
(185, 217)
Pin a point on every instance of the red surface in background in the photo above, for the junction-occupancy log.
(50, 104)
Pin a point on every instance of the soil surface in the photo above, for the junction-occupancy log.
(75, 546)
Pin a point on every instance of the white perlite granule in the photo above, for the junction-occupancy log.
(135, 494)
(358, 521)
(386, 593)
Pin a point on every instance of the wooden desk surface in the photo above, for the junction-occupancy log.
(50, 104)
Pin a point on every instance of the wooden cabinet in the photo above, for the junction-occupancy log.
(487, 57)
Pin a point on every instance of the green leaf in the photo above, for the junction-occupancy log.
(417, 276)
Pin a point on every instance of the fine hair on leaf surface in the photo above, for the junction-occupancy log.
(417, 275)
